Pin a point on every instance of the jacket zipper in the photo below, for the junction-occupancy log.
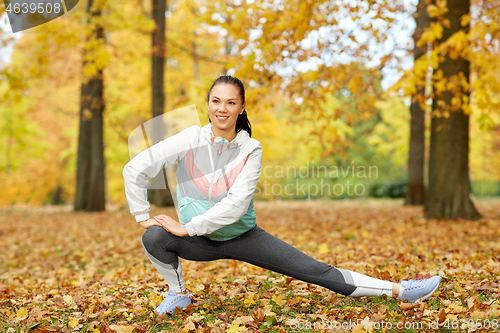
(219, 151)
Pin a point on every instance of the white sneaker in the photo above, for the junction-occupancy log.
(173, 300)
(419, 289)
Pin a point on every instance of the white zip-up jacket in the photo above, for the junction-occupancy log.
(216, 180)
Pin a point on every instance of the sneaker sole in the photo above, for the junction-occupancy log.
(172, 311)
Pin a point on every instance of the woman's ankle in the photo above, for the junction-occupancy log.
(395, 289)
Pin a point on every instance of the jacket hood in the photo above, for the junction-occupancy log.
(240, 138)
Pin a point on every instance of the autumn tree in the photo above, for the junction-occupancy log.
(415, 189)
(90, 164)
(266, 42)
(449, 185)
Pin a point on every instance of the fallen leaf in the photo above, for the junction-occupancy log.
(188, 326)
(242, 320)
(323, 249)
(72, 323)
(249, 302)
(408, 306)
(235, 329)
(279, 300)
(487, 286)
(441, 316)
(21, 314)
(122, 328)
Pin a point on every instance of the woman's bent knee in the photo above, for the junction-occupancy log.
(153, 237)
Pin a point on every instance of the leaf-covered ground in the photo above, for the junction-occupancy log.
(62, 271)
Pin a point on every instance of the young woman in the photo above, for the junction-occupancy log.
(218, 170)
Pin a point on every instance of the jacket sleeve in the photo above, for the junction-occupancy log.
(231, 208)
(148, 164)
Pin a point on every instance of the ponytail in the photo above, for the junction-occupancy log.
(242, 123)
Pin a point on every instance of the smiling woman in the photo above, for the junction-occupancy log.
(226, 107)
(219, 167)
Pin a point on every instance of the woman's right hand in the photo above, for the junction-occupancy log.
(148, 223)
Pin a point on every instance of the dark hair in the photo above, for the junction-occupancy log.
(242, 122)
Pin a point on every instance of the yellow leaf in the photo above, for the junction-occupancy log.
(353, 87)
(456, 102)
(441, 4)
(235, 329)
(188, 327)
(279, 300)
(464, 20)
(249, 302)
(431, 33)
(195, 317)
(122, 328)
(440, 86)
(72, 323)
(435, 11)
(242, 320)
(478, 315)
(21, 314)
(252, 295)
(365, 326)
(323, 249)
(437, 31)
(455, 308)
(67, 299)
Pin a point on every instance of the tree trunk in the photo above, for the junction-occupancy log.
(90, 161)
(96, 201)
(415, 190)
(160, 194)
(449, 170)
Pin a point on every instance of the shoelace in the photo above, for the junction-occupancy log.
(412, 284)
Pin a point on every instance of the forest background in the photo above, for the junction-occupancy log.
(328, 91)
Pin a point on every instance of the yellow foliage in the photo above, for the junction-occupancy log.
(437, 10)
(432, 33)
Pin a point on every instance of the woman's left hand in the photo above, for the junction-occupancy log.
(171, 225)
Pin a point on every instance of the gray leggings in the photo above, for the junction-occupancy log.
(256, 247)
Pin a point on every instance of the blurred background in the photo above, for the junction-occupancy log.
(350, 99)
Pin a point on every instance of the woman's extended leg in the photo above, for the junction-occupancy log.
(262, 249)
(265, 250)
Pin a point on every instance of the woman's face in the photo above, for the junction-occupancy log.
(224, 106)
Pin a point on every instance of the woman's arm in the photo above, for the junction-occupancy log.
(235, 204)
(148, 164)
